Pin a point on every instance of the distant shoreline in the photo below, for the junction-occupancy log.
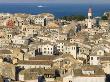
(59, 11)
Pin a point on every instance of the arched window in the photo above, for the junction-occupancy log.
(70, 81)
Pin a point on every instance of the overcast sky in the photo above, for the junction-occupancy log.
(56, 1)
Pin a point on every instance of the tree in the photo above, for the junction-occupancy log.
(104, 18)
(73, 17)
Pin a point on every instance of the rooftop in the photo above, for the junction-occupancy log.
(21, 62)
(43, 57)
(98, 72)
(5, 52)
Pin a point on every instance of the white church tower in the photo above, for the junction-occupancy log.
(90, 21)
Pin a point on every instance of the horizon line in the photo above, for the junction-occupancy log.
(47, 3)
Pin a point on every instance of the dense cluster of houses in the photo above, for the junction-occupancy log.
(38, 48)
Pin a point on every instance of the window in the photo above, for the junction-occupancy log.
(51, 52)
(66, 62)
(58, 46)
(39, 49)
(91, 58)
(44, 48)
(70, 81)
(97, 58)
(24, 29)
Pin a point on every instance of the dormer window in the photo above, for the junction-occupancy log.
(91, 58)
(97, 58)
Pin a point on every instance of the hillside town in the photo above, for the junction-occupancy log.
(39, 48)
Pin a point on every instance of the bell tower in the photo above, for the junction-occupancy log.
(90, 16)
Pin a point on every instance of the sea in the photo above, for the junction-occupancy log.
(59, 10)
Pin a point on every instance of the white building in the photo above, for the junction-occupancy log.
(19, 39)
(86, 74)
(4, 42)
(40, 20)
(94, 60)
(95, 57)
(60, 45)
(19, 21)
(30, 29)
(46, 49)
(65, 47)
(58, 36)
(43, 19)
(71, 49)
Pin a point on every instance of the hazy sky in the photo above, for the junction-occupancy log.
(56, 1)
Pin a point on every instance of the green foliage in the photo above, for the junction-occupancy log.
(104, 18)
(73, 17)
